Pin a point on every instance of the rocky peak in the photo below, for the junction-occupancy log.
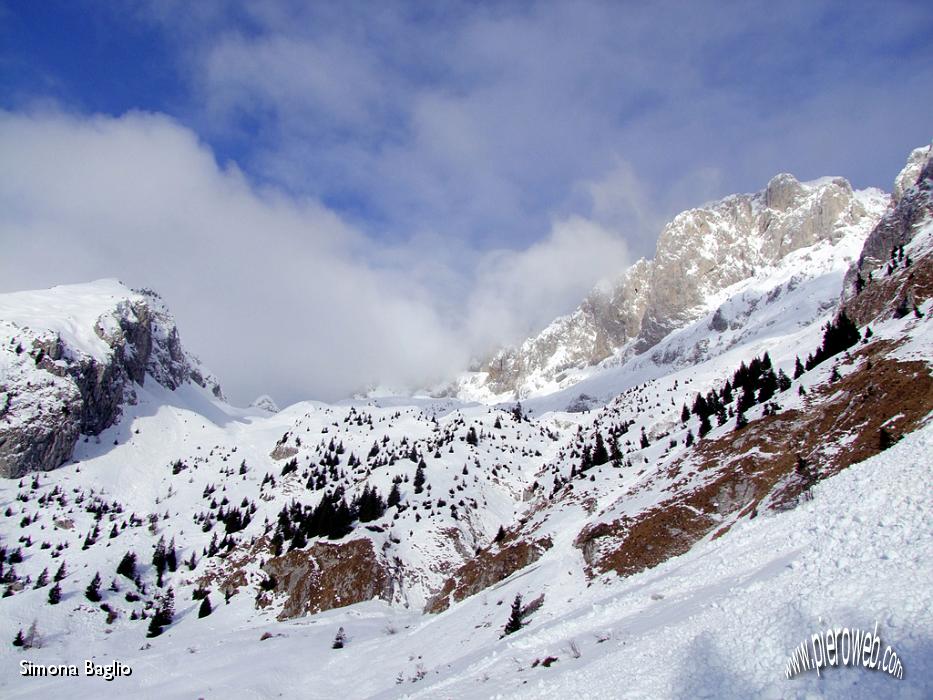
(783, 192)
(882, 278)
(908, 176)
(701, 252)
(71, 356)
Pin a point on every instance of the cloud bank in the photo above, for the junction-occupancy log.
(277, 293)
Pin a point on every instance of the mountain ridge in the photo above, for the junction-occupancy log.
(700, 252)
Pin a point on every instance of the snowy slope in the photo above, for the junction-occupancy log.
(719, 621)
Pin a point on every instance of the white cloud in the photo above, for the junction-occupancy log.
(518, 292)
(277, 294)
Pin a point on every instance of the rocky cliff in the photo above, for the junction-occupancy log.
(699, 253)
(70, 357)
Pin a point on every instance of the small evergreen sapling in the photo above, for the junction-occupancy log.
(515, 618)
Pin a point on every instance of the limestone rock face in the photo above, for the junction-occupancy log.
(699, 253)
(888, 279)
(908, 176)
(898, 225)
(603, 322)
(69, 360)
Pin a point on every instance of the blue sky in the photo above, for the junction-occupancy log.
(450, 147)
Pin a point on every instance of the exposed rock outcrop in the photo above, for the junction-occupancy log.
(72, 375)
(911, 206)
(486, 569)
(700, 253)
(326, 576)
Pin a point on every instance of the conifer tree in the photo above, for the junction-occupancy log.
(395, 497)
(92, 592)
(600, 454)
(205, 608)
(514, 623)
(127, 566)
(55, 594)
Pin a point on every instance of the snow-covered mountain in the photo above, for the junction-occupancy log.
(760, 472)
(70, 361)
(701, 253)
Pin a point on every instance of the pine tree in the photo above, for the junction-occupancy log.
(127, 566)
(60, 574)
(55, 594)
(18, 640)
(418, 482)
(164, 615)
(395, 497)
(721, 417)
(747, 399)
(171, 557)
(92, 592)
(727, 397)
(600, 454)
(705, 426)
(740, 420)
(784, 382)
(205, 608)
(515, 618)
(340, 639)
(798, 368)
(615, 454)
(586, 459)
(767, 385)
(158, 558)
(685, 414)
(299, 541)
(43, 579)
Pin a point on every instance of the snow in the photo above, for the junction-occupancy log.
(70, 311)
(718, 621)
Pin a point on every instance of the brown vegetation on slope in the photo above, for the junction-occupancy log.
(486, 569)
(757, 466)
